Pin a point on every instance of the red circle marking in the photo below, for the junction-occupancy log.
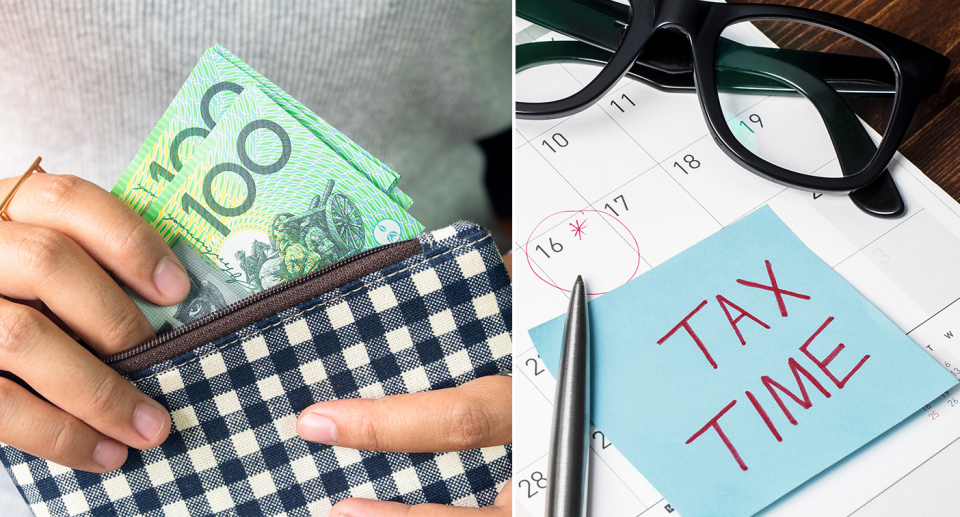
(601, 212)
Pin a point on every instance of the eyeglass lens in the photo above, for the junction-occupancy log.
(805, 98)
(554, 73)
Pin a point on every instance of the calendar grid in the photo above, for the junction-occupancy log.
(651, 507)
(543, 457)
(660, 163)
(531, 259)
(949, 306)
(532, 463)
(901, 478)
(590, 205)
(936, 194)
(900, 223)
(904, 266)
(593, 448)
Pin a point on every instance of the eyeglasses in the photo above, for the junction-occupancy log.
(843, 91)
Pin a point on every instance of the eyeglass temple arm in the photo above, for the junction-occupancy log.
(669, 51)
(845, 74)
(530, 55)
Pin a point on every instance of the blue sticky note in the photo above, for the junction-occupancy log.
(744, 366)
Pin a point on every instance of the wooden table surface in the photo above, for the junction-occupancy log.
(933, 141)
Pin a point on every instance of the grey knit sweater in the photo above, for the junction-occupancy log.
(415, 82)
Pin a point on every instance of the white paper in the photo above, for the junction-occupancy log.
(647, 157)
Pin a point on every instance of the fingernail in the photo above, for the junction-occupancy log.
(171, 280)
(109, 454)
(317, 428)
(148, 420)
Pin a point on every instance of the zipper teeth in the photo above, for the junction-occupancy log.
(254, 298)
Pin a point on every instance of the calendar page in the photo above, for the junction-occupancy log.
(618, 189)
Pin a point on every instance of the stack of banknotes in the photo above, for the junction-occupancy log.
(252, 189)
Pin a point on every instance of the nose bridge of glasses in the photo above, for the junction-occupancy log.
(667, 50)
(686, 15)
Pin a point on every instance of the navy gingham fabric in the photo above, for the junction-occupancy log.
(436, 320)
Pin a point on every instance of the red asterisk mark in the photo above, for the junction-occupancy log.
(578, 228)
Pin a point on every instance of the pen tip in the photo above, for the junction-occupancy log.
(579, 280)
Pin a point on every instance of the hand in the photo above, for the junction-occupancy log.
(63, 230)
(476, 414)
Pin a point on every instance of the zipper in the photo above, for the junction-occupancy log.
(258, 298)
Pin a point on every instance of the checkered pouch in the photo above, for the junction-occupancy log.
(421, 315)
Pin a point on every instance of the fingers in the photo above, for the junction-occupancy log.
(34, 349)
(106, 229)
(44, 264)
(370, 508)
(38, 428)
(476, 414)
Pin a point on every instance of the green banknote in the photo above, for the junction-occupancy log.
(271, 201)
(208, 93)
(210, 291)
(382, 176)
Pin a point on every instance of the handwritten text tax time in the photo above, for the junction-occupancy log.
(736, 315)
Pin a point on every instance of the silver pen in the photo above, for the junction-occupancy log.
(569, 448)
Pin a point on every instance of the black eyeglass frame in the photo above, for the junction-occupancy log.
(919, 71)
